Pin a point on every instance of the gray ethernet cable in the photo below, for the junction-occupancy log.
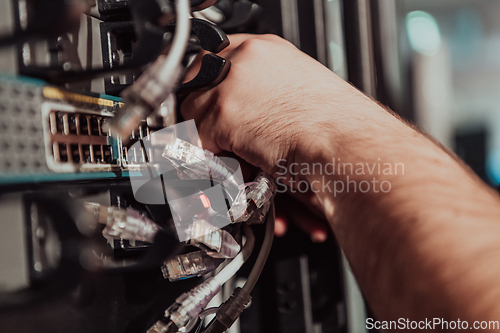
(188, 306)
(159, 81)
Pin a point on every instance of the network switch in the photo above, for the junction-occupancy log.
(75, 140)
(49, 134)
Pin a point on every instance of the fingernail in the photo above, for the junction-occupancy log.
(318, 236)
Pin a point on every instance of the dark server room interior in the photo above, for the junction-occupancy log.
(116, 217)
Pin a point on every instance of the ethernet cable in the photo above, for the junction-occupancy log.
(230, 310)
(197, 163)
(189, 265)
(130, 224)
(218, 243)
(124, 223)
(204, 314)
(263, 254)
(188, 306)
(230, 270)
(211, 14)
(154, 86)
(253, 200)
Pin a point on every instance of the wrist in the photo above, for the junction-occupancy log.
(355, 134)
(368, 152)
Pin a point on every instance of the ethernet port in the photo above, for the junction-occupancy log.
(84, 125)
(87, 158)
(72, 123)
(144, 131)
(139, 155)
(55, 152)
(60, 122)
(135, 134)
(108, 156)
(101, 123)
(63, 153)
(135, 157)
(125, 154)
(94, 126)
(97, 153)
(75, 153)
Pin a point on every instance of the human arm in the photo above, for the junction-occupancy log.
(426, 248)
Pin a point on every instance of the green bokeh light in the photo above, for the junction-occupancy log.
(423, 32)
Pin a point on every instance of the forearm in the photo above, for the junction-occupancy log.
(427, 245)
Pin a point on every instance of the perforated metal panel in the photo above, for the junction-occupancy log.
(22, 147)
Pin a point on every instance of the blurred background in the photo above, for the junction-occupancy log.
(434, 62)
(438, 63)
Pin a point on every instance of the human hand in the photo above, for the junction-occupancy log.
(271, 106)
(274, 105)
(304, 211)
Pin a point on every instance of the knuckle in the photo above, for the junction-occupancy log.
(223, 107)
(274, 38)
(252, 45)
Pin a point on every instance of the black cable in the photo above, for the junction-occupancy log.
(230, 310)
(263, 254)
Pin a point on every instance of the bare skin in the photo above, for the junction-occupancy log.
(429, 247)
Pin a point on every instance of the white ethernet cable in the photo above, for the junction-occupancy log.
(130, 224)
(189, 305)
(198, 163)
(189, 265)
(124, 223)
(218, 243)
(211, 14)
(230, 270)
(153, 87)
(253, 200)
